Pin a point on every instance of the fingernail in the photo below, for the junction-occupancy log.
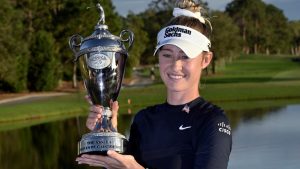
(110, 152)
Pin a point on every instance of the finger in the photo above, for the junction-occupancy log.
(92, 163)
(96, 165)
(114, 107)
(120, 160)
(95, 113)
(94, 116)
(104, 161)
(82, 160)
(92, 160)
(96, 109)
(91, 123)
(88, 99)
(94, 157)
(115, 155)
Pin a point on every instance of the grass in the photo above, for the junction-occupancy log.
(41, 111)
(246, 83)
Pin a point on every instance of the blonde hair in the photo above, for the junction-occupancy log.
(188, 5)
(190, 21)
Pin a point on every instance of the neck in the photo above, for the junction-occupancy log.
(177, 98)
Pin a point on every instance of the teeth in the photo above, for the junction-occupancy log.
(175, 76)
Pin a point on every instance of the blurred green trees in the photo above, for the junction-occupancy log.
(13, 48)
(136, 24)
(34, 36)
(264, 28)
(225, 39)
(295, 31)
(44, 67)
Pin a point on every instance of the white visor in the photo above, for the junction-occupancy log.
(190, 41)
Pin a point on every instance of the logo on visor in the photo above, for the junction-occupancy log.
(176, 32)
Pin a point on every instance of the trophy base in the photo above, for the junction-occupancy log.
(100, 142)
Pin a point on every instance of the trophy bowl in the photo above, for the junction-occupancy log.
(102, 57)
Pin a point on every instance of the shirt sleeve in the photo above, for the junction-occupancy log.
(134, 138)
(133, 147)
(213, 143)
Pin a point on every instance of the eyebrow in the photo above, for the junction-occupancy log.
(162, 48)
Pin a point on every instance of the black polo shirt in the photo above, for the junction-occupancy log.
(194, 135)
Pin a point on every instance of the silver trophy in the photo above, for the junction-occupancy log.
(102, 58)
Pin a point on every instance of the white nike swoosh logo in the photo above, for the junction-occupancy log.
(184, 128)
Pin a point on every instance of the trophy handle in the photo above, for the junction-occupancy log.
(130, 38)
(75, 43)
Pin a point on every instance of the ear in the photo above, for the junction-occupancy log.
(207, 57)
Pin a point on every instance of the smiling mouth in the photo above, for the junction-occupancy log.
(176, 77)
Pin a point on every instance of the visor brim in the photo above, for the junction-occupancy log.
(190, 49)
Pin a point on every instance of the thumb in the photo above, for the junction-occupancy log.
(88, 99)
(125, 161)
(114, 108)
(114, 118)
(114, 154)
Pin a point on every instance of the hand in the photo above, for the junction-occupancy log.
(113, 160)
(96, 111)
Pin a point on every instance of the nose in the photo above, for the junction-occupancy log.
(177, 64)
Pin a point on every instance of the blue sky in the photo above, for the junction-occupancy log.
(290, 7)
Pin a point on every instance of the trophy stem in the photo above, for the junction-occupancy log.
(104, 123)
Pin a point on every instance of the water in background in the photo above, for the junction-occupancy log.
(272, 142)
(262, 139)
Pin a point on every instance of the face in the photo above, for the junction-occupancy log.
(180, 73)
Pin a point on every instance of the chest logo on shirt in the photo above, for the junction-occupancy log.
(184, 128)
(223, 128)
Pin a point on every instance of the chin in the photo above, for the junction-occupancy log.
(176, 88)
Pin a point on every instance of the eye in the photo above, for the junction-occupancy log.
(184, 57)
(166, 55)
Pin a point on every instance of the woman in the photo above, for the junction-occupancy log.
(186, 131)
